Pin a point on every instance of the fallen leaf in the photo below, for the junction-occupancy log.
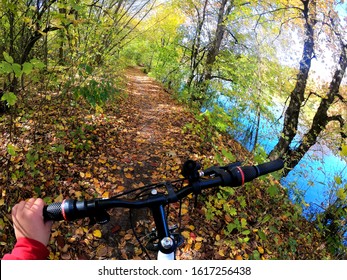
(260, 250)
(192, 235)
(97, 233)
(185, 234)
(221, 253)
(101, 251)
(197, 246)
(128, 236)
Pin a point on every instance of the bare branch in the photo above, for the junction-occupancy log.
(341, 98)
(342, 122)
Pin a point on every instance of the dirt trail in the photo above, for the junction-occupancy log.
(153, 124)
(151, 148)
(152, 108)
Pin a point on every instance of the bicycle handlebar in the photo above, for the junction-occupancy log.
(232, 175)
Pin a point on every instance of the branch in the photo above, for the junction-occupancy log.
(342, 99)
(309, 95)
(222, 78)
(342, 122)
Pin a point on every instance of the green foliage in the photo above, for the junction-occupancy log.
(11, 149)
(10, 67)
(331, 222)
(95, 90)
(10, 98)
(210, 125)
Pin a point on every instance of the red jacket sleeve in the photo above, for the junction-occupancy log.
(28, 249)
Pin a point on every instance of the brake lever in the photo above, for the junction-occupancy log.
(101, 218)
(215, 170)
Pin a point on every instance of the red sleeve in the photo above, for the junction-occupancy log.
(28, 249)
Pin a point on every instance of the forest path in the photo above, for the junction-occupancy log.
(156, 119)
(151, 147)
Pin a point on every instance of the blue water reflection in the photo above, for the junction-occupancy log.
(313, 176)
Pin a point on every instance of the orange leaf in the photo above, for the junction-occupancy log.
(106, 195)
(128, 236)
(228, 218)
(120, 189)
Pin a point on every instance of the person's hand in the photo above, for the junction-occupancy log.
(28, 220)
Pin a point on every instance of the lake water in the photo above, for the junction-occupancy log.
(313, 176)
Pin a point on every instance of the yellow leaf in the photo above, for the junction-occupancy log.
(88, 175)
(238, 257)
(261, 250)
(78, 194)
(186, 234)
(2, 224)
(128, 175)
(221, 253)
(97, 233)
(191, 227)
(199, 239)
(59, 198)
(217, 237)
(343, 150)
(2, 202)
(106, 195)
(197, 245)
(114, 167)
(102, 160)
(184, 211)
(82, 174)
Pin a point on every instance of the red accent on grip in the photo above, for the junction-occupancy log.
(242, 175)
(63, 210)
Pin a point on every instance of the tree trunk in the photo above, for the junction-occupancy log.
(291, 118)
(195, 58)
(213, 51)
(321, 118)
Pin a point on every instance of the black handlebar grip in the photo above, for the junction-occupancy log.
(70, 210)
(269, 167)
(53, 212)
(241, 175)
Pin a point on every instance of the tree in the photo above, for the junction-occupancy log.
(298, 99)
(214, 47)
